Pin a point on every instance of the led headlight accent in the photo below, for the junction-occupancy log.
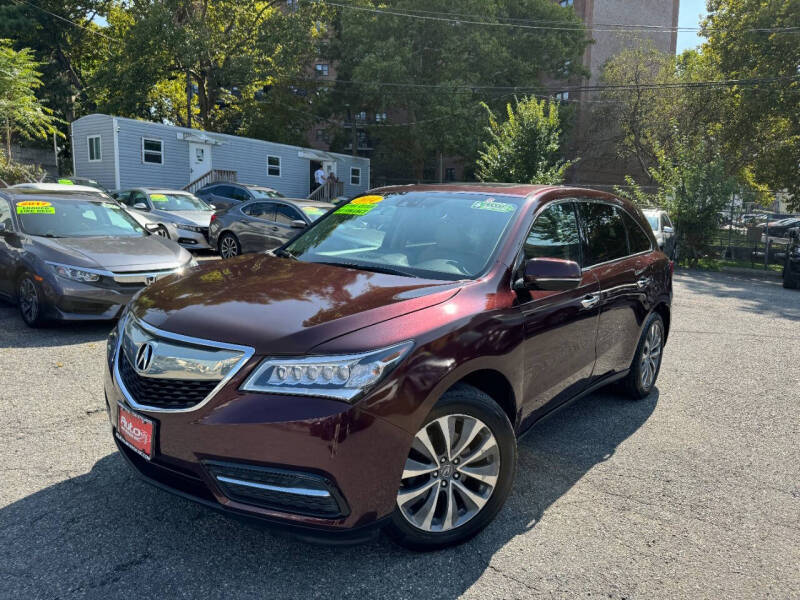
(343, 377)
(75, 273)
(194, 228)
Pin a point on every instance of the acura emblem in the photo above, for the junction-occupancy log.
(144, 357)
(149, 279)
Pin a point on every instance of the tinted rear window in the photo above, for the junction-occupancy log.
(605, 232)
(637, 239)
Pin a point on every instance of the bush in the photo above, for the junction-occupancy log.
(13, 172)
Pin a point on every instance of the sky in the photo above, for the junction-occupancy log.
(689, 17)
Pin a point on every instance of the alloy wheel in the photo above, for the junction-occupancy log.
(228, 247)
(651, 355)
(28, 300)
(450, 474)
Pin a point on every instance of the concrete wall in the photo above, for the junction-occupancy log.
(41, 157)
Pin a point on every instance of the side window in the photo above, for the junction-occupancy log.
(604, 228)
(137, 197)
(286, 214)
(554, 234)
(239, 194)
(637, 238)
(665, 222)
(5, 214)
(124, 197)
(225, 191)
(260, 210)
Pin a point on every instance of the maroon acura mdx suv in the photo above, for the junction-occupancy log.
(376, 371)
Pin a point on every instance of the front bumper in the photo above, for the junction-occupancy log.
(360, 456)
(75, 301)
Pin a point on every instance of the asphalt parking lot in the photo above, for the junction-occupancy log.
(693, 492)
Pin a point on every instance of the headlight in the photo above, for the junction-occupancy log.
(75, 273)
(190, 228)
(343, 377)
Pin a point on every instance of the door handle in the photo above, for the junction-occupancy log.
(590, 301)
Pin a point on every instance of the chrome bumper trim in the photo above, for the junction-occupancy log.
(275, 488)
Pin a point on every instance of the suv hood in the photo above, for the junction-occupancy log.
(281, 306)
(113, 253)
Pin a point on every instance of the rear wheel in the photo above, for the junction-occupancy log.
(647, 361)
(458, 472)
(30, 300)
(229, 246)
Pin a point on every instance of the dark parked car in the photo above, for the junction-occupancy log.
(173, 214)
(347, 384)
(791, 270)
(225, 195)
(778, 229)
(74, 256)
(260, 225)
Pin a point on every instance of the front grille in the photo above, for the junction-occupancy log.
(279, 489)
(163, 393)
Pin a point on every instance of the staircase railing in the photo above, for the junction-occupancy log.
(327, 192)
(213, 176)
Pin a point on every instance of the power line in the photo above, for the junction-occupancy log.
(472, 20)
(73, 23)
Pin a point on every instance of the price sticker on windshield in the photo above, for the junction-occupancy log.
(35, 207)
(360, 206)
(158, 198)
(492, 205)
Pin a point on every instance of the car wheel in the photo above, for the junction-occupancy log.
(458, 472)
(30, 300)
(229, 246)
(647, 360)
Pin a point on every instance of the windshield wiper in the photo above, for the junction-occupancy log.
(285, 254)
(373, 268)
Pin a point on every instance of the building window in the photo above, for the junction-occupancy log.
(322, 69)
(562, 96)
(274, 166)
(95, 154)
(380, 117)
(362, 116)
(450, 174)
(565, 3)
(152, 151)
(355, 176)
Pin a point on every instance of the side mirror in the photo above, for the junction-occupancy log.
(140, 206)
(298, 224)
(551, 274)
(668, 229)
(151, 227)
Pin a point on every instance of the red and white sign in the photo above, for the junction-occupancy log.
(136, 432)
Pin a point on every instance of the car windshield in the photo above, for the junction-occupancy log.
(418, 234)
(313, 212)
(264, 194)
(176, 202)
(653, 220)
(75, 218)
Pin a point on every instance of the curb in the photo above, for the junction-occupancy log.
(757, 273)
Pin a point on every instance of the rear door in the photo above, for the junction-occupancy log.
(561, 326)
(284, 216)
(624, 277)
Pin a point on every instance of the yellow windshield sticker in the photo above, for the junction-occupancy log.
(493, 206)
(367, 200)
(355, 209)
(158, 198)
(313, 210)
(66, 182)
(35, 207)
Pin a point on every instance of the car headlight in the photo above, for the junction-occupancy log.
(193, 228)
(75, 273)
(343, 377)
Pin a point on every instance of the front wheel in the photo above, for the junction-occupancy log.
(30, 300)
(647, 361)
(458, 472)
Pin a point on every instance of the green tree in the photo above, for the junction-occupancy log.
(237, 56)
(760, 133)
(20, 109)
(525, 147)
(429, 71)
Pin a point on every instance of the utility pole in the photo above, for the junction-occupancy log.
(188, 99)
(55, 154)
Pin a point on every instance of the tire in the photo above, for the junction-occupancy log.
(422, 520)
(30, 300)
(646, 363)
(229, 246)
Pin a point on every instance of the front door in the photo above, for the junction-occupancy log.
(560, 326)
(199, 160)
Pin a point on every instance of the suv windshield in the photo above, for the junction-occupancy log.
(262, 194)
(437, 235)
(174, 202)
(653, 220)
(75, 218)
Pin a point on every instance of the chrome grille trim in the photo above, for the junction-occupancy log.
(247, 354)
(143, 277)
